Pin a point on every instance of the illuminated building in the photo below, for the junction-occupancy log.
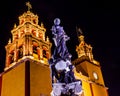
(27, 71)
(89, 70)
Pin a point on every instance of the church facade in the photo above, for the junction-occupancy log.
(27, 72)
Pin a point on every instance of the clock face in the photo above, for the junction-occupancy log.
(95, 75)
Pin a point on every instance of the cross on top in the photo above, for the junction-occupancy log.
(28, 5)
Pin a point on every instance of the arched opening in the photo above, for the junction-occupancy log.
(11, 57)
(20, 52)
(35, 50)
(44, 54)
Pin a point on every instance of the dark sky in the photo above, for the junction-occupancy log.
(99, 21)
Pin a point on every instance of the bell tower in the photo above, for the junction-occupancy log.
(27, 71)
(89, 70)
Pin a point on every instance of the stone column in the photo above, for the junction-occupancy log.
(8, 60)
(38, 52)
(30, 46)
(41, 53)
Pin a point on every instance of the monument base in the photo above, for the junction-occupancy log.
(71, 89)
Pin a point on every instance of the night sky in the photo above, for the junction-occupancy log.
(99, 21)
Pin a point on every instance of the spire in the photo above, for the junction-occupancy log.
(79, 31)
(42, 25)
(28, 22)
(83, 49)
(28, 5)
(47, 39)
(80, 34)
(9, 42)
(15, 25)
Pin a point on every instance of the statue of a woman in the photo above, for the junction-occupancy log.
(60, 38)
(61, 59)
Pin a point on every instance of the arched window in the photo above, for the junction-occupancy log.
(22, 21)
(35, 49)
(20, 52)
(44, 54)
(34, 21)
(40, 35)
(33, 31)
(35, 45)
(12, 57)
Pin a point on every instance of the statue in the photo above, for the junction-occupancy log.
(60, 39)
(63, 79)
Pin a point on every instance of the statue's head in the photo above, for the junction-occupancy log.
(56, 21)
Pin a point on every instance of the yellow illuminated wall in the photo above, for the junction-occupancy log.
(99, 90)
(40, 80)
(93, 68)
(91, 86)
(13, 81)
(30, 78)
(86, 88)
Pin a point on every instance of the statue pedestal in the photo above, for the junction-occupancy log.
(71, 89)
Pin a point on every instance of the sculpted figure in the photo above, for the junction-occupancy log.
(64, 82)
